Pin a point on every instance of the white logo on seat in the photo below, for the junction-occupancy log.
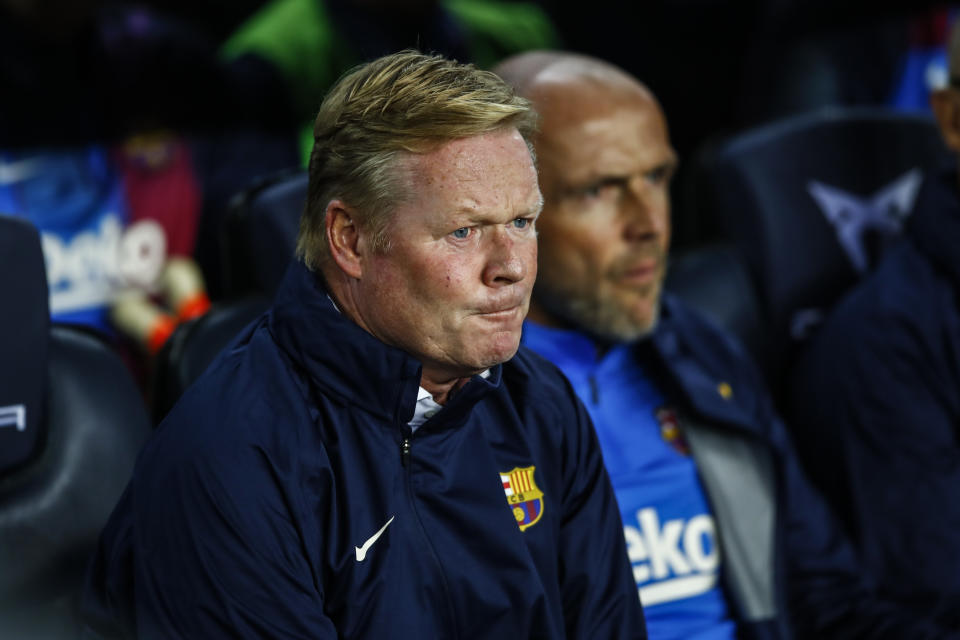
(852, 216)
(14, 415)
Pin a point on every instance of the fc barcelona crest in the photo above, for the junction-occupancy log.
(671, 431)
(523, 496)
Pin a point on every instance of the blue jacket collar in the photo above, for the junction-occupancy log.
(347, 363)
(708, 383)
(569, 349)
(680, 352)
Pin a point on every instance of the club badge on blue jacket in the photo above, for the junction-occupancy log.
(523, 495)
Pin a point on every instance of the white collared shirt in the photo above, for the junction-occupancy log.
(427, 407)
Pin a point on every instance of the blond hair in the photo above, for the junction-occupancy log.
(407, 102)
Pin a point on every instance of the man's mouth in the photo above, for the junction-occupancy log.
(642, 272)
(500, 311)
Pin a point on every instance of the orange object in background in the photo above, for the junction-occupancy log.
(182, 285)
(136, 316)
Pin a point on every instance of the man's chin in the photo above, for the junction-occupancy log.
(610, 315)
(499, 351)
(619, 325)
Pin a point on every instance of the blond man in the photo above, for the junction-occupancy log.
(374, 458)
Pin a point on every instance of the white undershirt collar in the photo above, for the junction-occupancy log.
(427, 407)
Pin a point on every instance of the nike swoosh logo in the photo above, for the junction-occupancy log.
(362, 551)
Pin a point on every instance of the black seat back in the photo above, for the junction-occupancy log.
(57, 496)
(714, 280)
(24, 328)
(260, 234)
(812, 201)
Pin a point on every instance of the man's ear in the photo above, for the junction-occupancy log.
(343, 238)
(946, 109)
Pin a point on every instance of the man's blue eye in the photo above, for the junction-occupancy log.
(521, 223)
(461, 233)
(657, 176)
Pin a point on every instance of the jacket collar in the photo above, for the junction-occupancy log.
(569, 349)
(673, 350)
(688, 355)
(347, 363)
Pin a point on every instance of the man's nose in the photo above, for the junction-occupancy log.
(644, 211)
(507, 259)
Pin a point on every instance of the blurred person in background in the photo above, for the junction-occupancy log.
(876, 395)
(122, 140)
(291, 51)
(725, 535)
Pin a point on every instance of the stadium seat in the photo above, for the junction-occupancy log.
(71, 424)
(812, 201)
(714, 280)
(260, 233)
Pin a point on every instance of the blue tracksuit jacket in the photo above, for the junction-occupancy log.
(788, 569)
(285, 497)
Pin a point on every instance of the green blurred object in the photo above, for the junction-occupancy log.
(303, 42)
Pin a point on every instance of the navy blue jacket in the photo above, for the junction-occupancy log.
(877, 408)
(255, 509)
(788, 568)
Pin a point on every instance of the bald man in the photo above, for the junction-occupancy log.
(877, 395)
(725, 536)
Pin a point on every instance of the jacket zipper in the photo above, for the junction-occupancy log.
(404, 461)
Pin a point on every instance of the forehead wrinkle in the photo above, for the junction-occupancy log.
(484, 206)
(493, 211)
(469, 186)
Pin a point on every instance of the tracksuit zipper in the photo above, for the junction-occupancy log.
(405, 447)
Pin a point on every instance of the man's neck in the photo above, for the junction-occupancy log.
(441, 384)
(442, 387)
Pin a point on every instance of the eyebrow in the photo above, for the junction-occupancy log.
(669, 163)
(593, 181)
(472, 215)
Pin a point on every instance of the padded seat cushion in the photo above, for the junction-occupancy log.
(54, 508)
